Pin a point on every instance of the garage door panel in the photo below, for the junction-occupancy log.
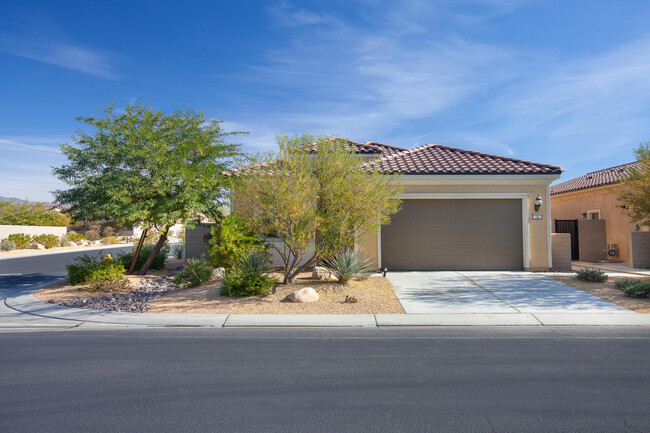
(454, 235)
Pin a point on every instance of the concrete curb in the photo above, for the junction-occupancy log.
(457, 319)
(29, 305)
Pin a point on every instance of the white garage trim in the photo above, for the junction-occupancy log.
(460, 196)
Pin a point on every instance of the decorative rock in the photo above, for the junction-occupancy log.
(219, 272)
(320, 273)
(303, 295)
(37, 247)
(135, 302)
(84, 242)
(71, 244)
(97, 242)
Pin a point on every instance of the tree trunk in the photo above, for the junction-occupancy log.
(136, 253)
(156, 250)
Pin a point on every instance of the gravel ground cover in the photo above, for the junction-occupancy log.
(136, 301)
(610, 293)
(156, 294)
(374, 295)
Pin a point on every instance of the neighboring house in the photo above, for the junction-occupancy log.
(461, 210)
(594, 197)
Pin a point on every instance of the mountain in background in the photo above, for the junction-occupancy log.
(20, 200)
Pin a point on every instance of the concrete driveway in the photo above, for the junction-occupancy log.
(492, 292)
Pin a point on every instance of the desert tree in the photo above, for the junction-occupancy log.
(144, 166)
(315, 198)
(635, 194)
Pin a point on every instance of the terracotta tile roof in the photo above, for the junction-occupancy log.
(370, 148)
(437, 159)
(606, 176)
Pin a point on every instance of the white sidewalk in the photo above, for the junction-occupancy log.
(24, 311)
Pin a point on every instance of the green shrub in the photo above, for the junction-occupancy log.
(231, 241)
(622, 284)
(7, 245)
(108, 232)
(111, 240)
(92, 235)
(178, 251)
(348, 264)
(240, 282)
(195, 273)
(21, 240)
(256, 261)
(87, 269)
(75, 237)
(106, 286)
(145, 252)
(591, 275)
(637, 289)
(48, 241)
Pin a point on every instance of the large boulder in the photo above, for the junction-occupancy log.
(84, 242)
(303, 295)
(219, 272)
(71, 244)
(37, 247)
(321, 273)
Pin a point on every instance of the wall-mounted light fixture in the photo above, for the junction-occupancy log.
(636, 227)
(538, 203)
(584, 215)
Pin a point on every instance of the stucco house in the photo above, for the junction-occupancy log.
(462, 210)
(587, 206)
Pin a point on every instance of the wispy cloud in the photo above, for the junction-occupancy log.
(595, 106)
(21, 144)
(88, 60)
(290, 16)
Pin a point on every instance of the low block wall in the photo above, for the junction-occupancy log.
(195, 240)
(561, 249)
(276, 260)
(640, 249)
(592, 240)
(6, 230)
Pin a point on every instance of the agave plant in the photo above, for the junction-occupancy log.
(178, 251)
(348, 264)
(195, 273)
(256, 261)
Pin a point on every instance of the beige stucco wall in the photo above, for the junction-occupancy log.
(538, 230)
(618, 225)
(6, 230)
(640, 249)
(561, 243)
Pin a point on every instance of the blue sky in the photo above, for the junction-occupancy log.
(561, 82)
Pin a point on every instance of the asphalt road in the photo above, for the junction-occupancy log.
(396, 380)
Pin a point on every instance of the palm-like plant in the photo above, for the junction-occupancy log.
(348, 264)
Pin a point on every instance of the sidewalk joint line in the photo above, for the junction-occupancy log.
(478, 285)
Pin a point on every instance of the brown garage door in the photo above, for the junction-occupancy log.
(454, 235)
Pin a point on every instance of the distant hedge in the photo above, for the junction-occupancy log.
(31, 214)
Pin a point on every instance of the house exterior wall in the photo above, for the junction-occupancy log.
(538, 231)
(618, 225)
